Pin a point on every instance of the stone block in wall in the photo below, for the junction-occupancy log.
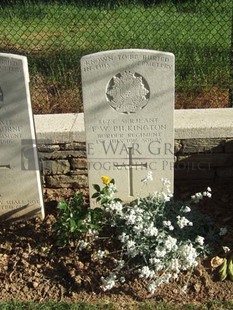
(66, 181)
(62, 154)
(79, 171)
(75, 146)
(51, 167)
(177, 146)
(58, 194)
(78, 163)
(203, 146)
(48, 148)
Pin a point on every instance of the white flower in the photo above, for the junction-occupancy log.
(226, 249)
(109, 282)
(207, 194)
(170, 243)
(168, 224)
(175, 265)
(116, 207)
(123, 237)
(182, 221)
(149, 177)
(151, 231)
(197, 197)
(200, 240)
(131, 248)
(186, 209)
(166, 197)
(122, 279)
(152, 287)
(223, 231)
(131, 218)
(188, 255)
(157, 263)
(160, 252)
(112, 188)
(138, 228)
(82, 245)
(100, 254)
(145, 272)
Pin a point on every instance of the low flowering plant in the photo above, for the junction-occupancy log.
(152, 238)
(159, 237)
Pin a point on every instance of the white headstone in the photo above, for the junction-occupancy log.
(128, 110)
(20, 183)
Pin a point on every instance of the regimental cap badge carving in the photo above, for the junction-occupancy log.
(127, 92)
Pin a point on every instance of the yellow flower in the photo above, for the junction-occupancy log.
(105, 179)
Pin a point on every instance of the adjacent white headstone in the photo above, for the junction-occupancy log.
(20, 183)
(128, 110)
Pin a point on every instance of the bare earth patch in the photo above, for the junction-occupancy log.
(32, 267)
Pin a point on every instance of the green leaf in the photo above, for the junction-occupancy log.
(95, 195)
(105, 191)
(104, 200)
(72, 225)
(96, 187)
(62, 205)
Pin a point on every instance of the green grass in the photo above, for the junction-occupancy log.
(109, 306)
(54, 36)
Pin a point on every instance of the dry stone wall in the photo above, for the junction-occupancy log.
(64, 169)
(200, 161)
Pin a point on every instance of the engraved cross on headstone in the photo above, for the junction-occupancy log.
(130, 167)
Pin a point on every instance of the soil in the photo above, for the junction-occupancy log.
(33, 268)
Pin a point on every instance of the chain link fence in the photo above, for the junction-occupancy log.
(55, 34)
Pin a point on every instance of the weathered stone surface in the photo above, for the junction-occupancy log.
(177, 147)
(75, 146)
(58, 194)
(78, 163)
(62, 154)
(66, 181)
(51, 167)
(48, 148)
